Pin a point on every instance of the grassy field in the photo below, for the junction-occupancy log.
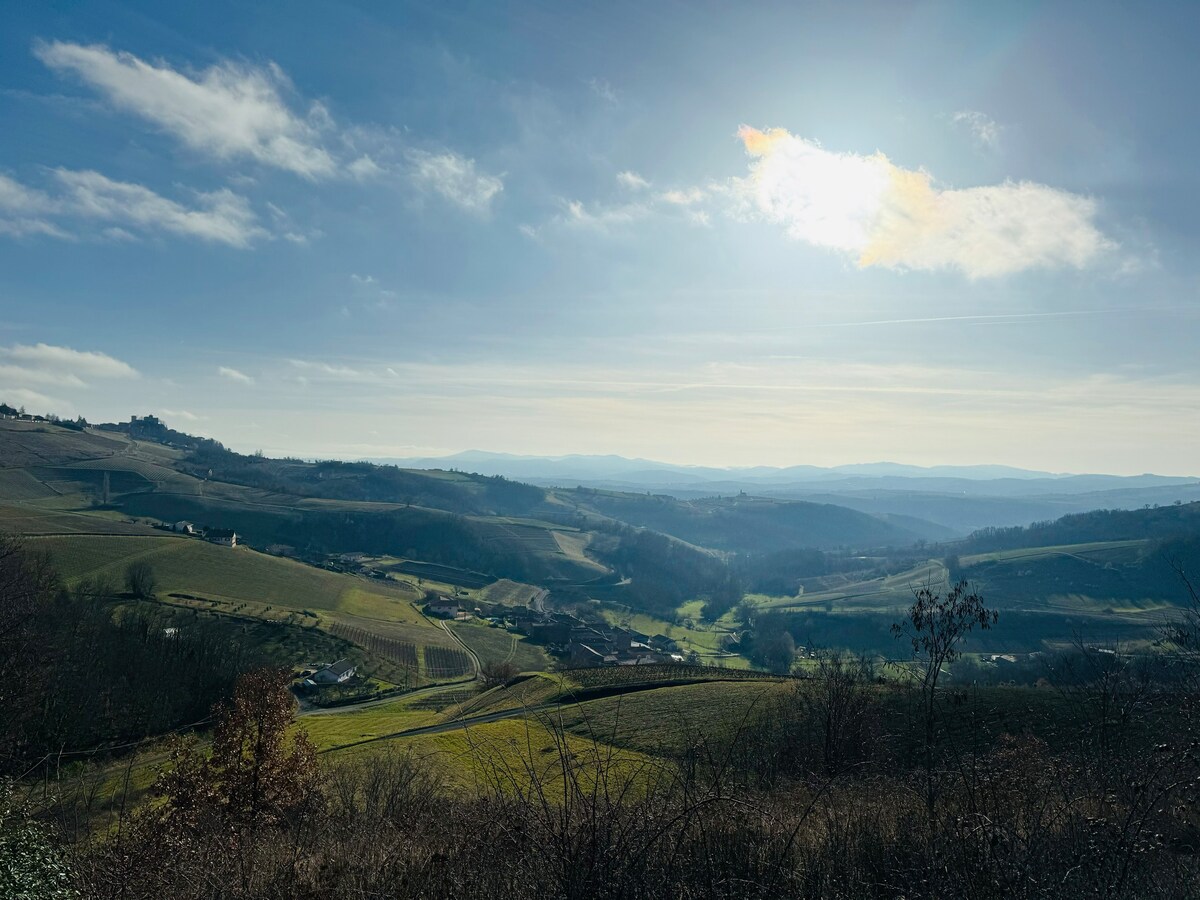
(534, 690)
(242, 575)
(519, 755)
(328, 730)
(667, 720)
(27, 519)
(191, 573)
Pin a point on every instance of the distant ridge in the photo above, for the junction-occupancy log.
(584, 466)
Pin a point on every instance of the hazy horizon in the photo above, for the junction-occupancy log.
(721, 237)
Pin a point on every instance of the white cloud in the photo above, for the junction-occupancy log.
(363, 279)
(27, 368)
(24, 210)
(229, 110)
(687, 197)
(455, 178)
(326, 369)
(16, 198)
(364, 168)
(983, 129)
(32, 400)
(65, 361)
(13, 374)
(603, 218)
(220, 216)
(897, 218)
(234, 375)
(632, 180)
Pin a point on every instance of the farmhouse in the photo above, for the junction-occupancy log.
(340, 671)
(184, 527)
(222, 536)
(442, 608)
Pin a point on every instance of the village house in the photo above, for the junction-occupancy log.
(341, 671)
(223, 536)
(443, 608)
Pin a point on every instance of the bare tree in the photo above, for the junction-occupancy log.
(140, 580)
(936, 626)
(839, 704)
(496, 673)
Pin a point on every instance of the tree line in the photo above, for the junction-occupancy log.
(86, 669)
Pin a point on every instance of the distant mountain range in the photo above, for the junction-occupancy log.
(959, 498)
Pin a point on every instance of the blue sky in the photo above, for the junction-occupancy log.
(707, 233)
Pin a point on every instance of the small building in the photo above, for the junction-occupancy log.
(585, 656)
(442, 608)
(184, 527)
(222, 536)
(341, 671)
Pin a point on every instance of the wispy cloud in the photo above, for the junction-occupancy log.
(230, 111)
(604, 91)
(234, 375)
(25, 369)
(34, 400)
(219, 216)
(455, 178)
(687, 197)
(601, 218)
(86, 363)
(632, 180)
(25, 211)
(322, 368)
(983, 129)
(896, 218)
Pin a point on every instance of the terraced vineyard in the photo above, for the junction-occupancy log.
(523, 537)
(403, 653)
(446, 662)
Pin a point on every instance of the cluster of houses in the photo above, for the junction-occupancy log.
(578, 643)
(224, 536)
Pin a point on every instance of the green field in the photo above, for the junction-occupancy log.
(350, 725)
(191, 573)
(667, 720)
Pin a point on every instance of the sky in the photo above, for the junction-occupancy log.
(717, 234)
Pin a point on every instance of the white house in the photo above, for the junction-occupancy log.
(185, 527)
(342, 670)
(443, 608)
(222, 536)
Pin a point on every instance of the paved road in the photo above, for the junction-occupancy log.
(471, 653)
(309, 710)
(441, 727)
